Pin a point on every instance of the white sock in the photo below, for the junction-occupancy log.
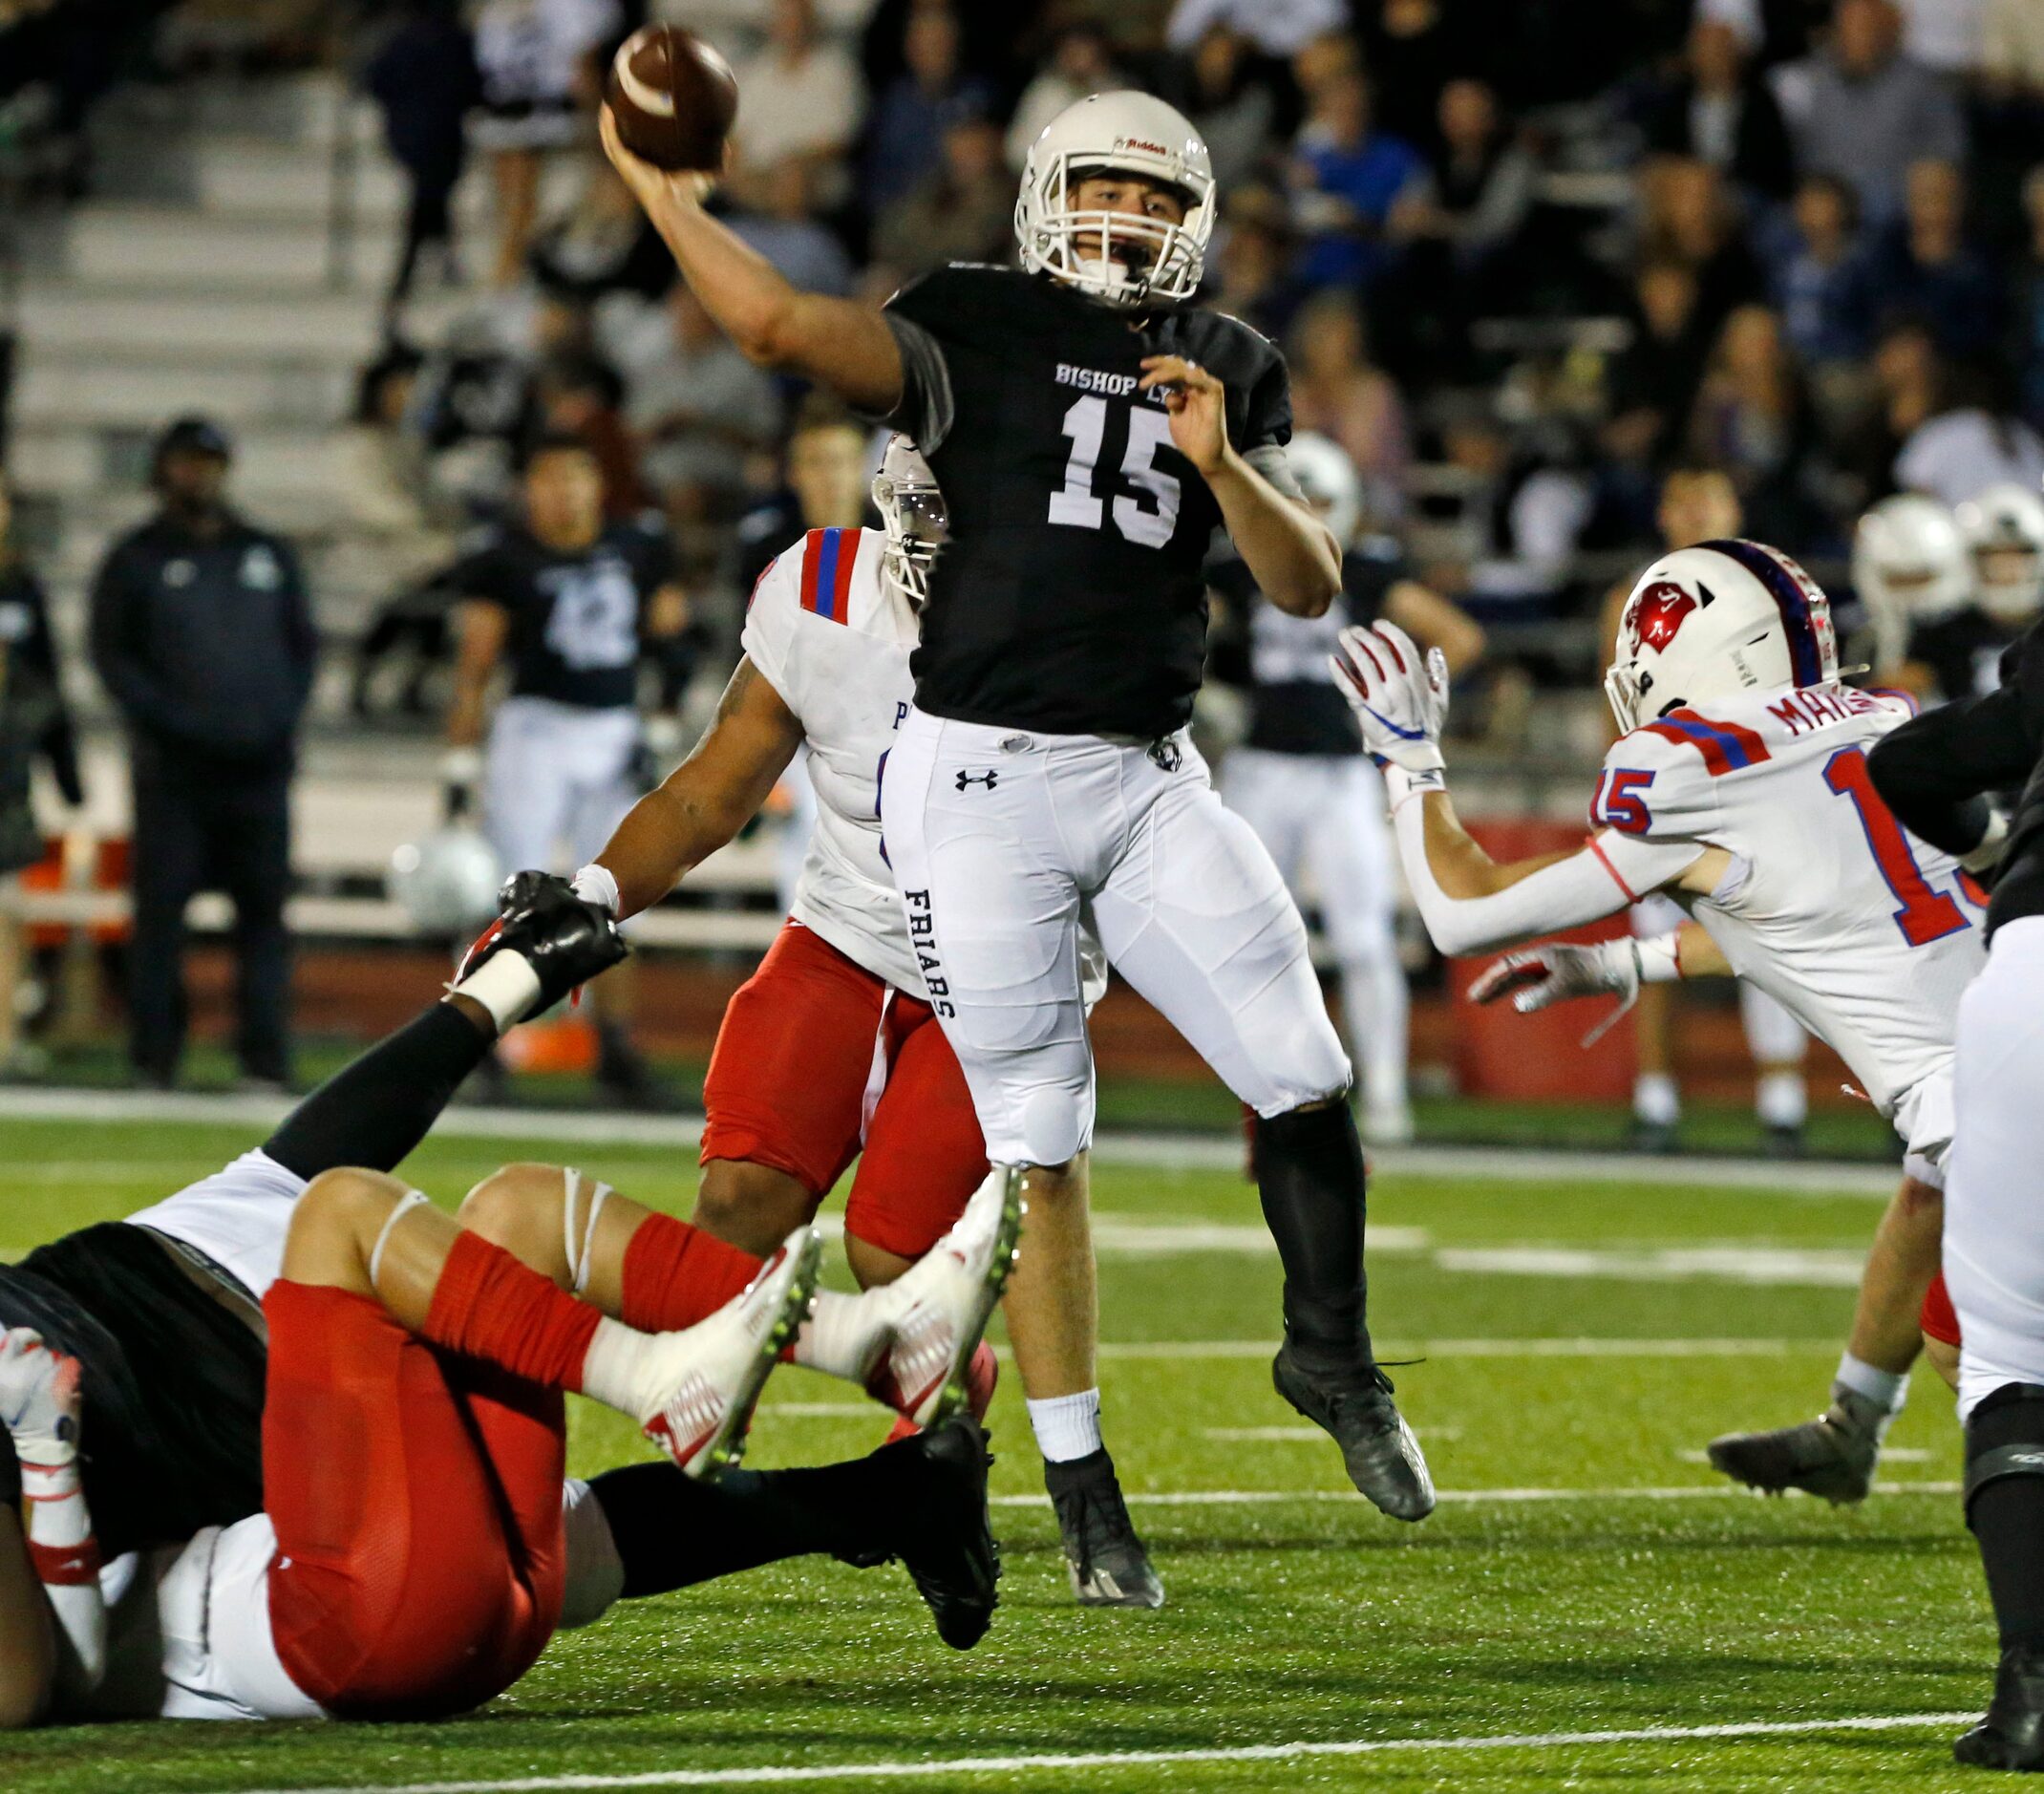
(844, 1335)
(1781, 1100)
(1655, 1100)
(1889, 1388)
(1067, 1426)
(615, 1370)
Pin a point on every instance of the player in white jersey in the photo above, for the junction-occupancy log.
(832, 1051)
(1739, 787)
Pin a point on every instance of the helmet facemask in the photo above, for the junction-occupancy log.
(914, 521)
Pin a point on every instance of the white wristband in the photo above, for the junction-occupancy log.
(596, 884)
(1401, 785)
(505, 985)
(1659, 960)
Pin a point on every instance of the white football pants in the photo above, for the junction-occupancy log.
(1002, 840)
(1322, 816)
(555, 780)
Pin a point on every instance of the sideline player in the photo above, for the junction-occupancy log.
(1699, 503)
(573, 603)
(1740, 786)
(1300, 778)
(1914, 575)
(832, 1051)
(1044, 771)
(1936, 773)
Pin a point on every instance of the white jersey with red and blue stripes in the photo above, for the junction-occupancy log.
(1864, 932)
(834, 638)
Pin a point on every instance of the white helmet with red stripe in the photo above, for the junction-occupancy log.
(1715, 619)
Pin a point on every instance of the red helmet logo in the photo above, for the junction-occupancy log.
(1658, 613)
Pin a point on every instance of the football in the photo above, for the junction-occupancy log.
(673, 98)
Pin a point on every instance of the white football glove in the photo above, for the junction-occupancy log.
(1398, 697)
(40, 1399)
(1536, 977)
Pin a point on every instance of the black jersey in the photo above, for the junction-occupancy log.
(1282, 661)
(1963, 651)
(1935, 771)
(575, 615)
(1069, 596)
(172, 1439)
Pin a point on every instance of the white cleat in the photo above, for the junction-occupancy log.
(720, 1365)
(940, 1305)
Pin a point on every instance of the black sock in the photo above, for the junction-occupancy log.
(374, 1111)
(2007, 1517)
(673, 1532)
(1309, 1172)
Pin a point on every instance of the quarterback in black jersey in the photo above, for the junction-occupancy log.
(1935, 774)
(1300, 777)
(1090, 427)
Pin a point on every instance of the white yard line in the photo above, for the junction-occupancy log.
(1461, 1497)
(925, 1770)
(1168, 1151)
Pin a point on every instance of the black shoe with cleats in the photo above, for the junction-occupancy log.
(2012, 1735)
(1108, 1563)
(1355, 1405)
(943, 1537)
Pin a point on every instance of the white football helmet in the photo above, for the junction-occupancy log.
(1910, 565)
(1128, 132)
(2004, 528)
(912, 516)
(1326, 476)
(1715, 619)
(447, 882)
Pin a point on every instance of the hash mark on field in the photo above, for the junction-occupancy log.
(769, 1774)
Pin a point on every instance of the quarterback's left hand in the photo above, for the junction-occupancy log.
(1197, 406)
(1400, 699)
(40, 1399)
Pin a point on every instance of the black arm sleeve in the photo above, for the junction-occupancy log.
(374, 1111)
(1934, 771)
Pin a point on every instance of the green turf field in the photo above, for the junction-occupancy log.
(1585, 1574)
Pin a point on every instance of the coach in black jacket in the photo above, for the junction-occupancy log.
(202, 633)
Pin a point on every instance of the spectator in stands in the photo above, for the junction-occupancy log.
(35, 723)
(1821, 277)
(1869, 111)
(1336, 392)
(1529, 512)
(1719, 111)
(1255, 259)
(1278, 28)
(601, 245)
(1931, 270)
(1413, 50)
(2012, 54)
(1650, 385)
(1347, 179)
(201, 633)
(825, 486)
(963, 212)
(425, 79)
(1219, 86)
(697, 406)
(1751, 418)
(801, 95)
(1690, 218)
(1081, 62)
(537, 59)
(580, 395)
(904, 134)
(472, 407)
(2026, 300)
(783, 227)
(1975, 440)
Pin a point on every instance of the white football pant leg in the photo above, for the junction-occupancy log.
(1994, 1172)
(1773, 1036)
(983, 839)
(239, 1218)
(528, 785)
(1194, 915)
(1351, 858)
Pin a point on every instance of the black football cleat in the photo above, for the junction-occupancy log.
(2012, 1735)
(1355, 1406)
(1832, 1455)
(1107, 1561)
(941, 1532)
